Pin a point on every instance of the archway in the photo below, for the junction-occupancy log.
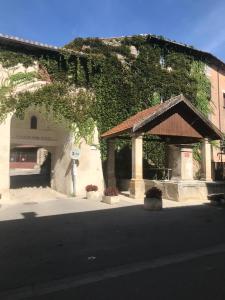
(39, 152)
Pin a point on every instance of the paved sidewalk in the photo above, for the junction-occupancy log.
(47, 202)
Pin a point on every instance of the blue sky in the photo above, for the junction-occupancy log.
(200, 23)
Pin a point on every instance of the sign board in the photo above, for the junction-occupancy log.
(75, 153)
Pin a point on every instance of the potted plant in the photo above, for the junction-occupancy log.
(111, 195)
(91, 192)
(153, 199)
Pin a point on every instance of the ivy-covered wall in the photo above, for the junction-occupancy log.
(120, 76)
(125, 83)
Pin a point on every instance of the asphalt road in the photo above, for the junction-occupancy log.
(202, 279)
(40, 252)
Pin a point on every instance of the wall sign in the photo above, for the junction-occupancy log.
(75, 153)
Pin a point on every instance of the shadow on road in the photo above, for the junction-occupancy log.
(39, 249)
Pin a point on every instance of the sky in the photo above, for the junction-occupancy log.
(200, 23)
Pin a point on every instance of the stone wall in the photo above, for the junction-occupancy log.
(4, 157)
(59, 142)
(180, 190)
(50, 136)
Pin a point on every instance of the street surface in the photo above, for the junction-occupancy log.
(64, 248)
(201, 278)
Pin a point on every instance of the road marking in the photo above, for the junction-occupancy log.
(93, 277)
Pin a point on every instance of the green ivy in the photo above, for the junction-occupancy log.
(10, 58)
(65, 105)
(22, 77)
(117, 83)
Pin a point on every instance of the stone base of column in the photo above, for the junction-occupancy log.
(203, 178)
(137, 188)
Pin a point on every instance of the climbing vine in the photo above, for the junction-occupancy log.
(103, 82)
(10, 58)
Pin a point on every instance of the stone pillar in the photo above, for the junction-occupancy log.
(181, 162)
(4, 158)
(186, 153)
(111, 178)
(41, 156)
(206, 160)
(137, 185)
(174, 162)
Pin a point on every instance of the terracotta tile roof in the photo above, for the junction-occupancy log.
(130, 122)
(139, 120)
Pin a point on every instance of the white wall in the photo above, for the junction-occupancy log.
(51, 136)
(4, 157)
(90, 166)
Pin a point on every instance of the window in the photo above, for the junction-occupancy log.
(33, 122)
(23, 155)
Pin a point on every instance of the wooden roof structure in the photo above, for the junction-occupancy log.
(173, 120)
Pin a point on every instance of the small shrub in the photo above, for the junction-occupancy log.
(111, 191)
(91, 188)
(154, 192)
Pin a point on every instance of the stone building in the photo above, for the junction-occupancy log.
(35, 132)
(37, 135)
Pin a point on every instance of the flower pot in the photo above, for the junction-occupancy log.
(152, 203)
(92, 195)
(110, 199)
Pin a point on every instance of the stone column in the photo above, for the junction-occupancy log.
(186, 153)
(4, 158)
(174, 162)
(181, 162)
(137, 185)
(206, 160)
(111, 178)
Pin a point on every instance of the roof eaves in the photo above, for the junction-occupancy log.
(166, 105)
(109, 134)
(192, 49)
(210, 56)
(10, 38)
(171, 103)
(36, 45)
(203, 117)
